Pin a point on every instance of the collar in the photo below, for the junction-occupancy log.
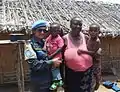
(50, 37)
(36, 40)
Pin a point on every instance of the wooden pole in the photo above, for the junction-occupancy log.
(20, 72)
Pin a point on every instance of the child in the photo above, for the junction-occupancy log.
(93, 44)
(53, 43)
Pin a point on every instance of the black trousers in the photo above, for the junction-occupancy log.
(40, 87)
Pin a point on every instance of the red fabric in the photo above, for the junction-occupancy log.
(53, 44)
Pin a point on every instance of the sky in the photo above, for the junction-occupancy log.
(106, 1)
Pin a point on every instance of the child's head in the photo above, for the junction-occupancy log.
(55, 29)
(94, 30)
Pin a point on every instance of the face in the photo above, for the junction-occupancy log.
(76, 25)
(94, 31)
(55, 30)
(40, 32)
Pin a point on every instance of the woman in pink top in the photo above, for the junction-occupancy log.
(78, 60)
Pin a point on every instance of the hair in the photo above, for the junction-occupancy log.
(94, 25)
(54, 23)
(75, 18)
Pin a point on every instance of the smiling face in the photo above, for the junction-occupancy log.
(40, 32)
(76, 25)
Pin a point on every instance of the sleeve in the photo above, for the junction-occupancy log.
(29, 53)
(40, 65)
(34, 63)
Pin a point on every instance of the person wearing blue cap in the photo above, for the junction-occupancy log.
(37, 58)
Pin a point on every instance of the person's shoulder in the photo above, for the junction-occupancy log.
(29, 53)
(65, 36)
(59, 39)
(98, 40)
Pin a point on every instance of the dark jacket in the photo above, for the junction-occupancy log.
(40, 67)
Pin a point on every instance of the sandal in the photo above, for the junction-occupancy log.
(54, 86)
(60, 84)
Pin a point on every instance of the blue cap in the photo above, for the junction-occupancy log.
(40, 23)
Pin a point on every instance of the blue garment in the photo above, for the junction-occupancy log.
(41, 54)
(40, 75)
(37, 46)
(56, 74)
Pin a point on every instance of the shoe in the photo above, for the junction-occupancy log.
(60, 84)
(54, 86)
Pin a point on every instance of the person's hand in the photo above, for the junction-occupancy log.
(85, 52)
(56, 62)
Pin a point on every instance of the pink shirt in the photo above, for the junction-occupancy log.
(53, 44)
(73, 60)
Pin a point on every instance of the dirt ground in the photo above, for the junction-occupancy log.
(103, 89)
(13, 87)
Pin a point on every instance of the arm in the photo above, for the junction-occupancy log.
(95, 51)
(31, 58)
(39, 65)
(97, 66)
(91, 53)
(55, 53)
(98, 54)
(98, 50)
(87, 38)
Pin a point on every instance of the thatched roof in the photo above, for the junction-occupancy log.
(15, 14)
